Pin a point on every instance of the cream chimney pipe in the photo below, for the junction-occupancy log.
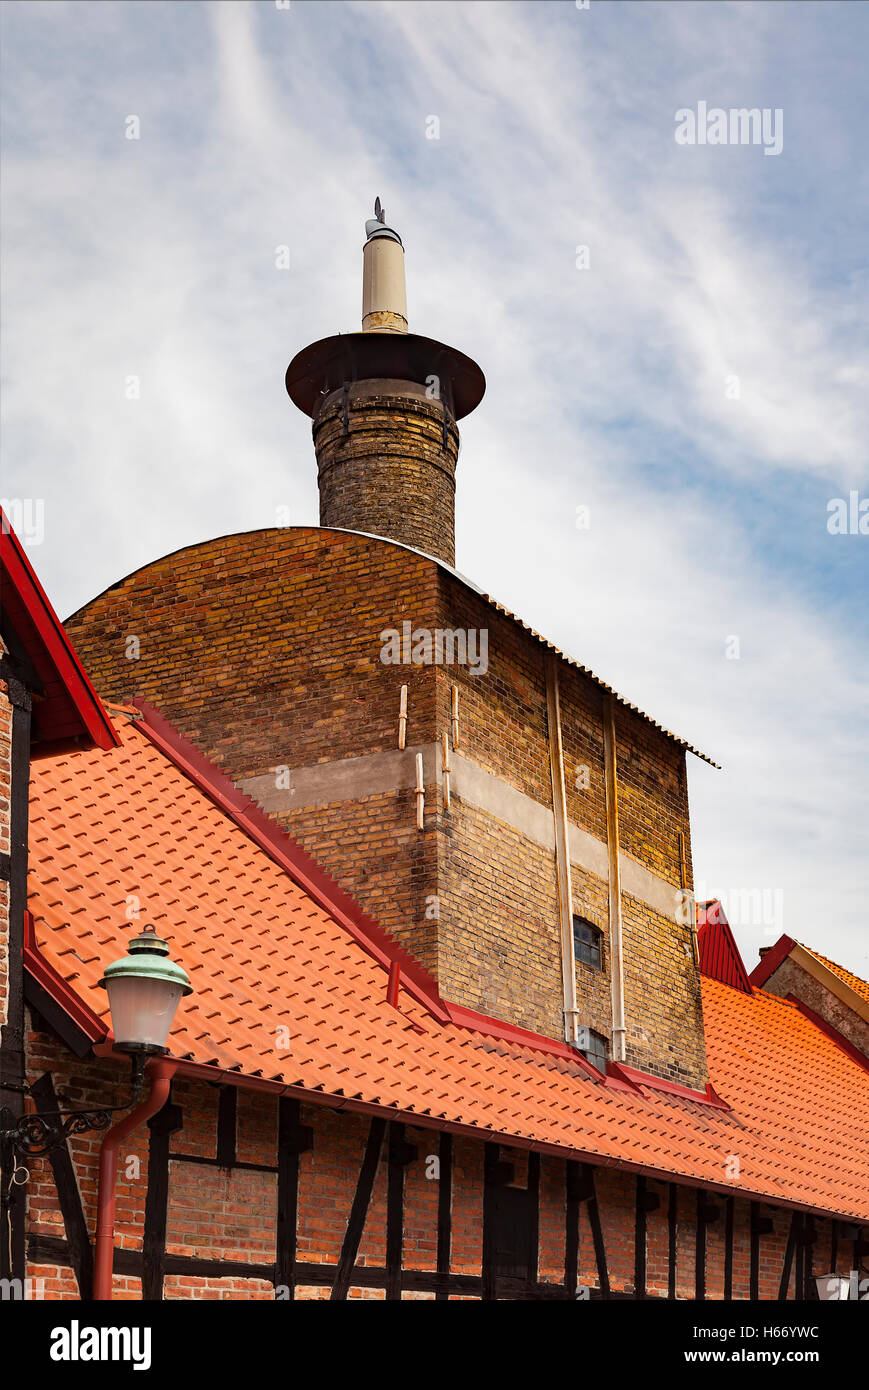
(384, 298)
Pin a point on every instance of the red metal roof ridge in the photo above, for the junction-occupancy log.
(771, 961)
(463, 1017)
(55, 641)
(291, 857)
(618, 1076)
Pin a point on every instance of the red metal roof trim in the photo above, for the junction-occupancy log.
(75, 708)
(641, 1080)
(832, 1033)
(768, 964)
(63, 995)
(510, 1033)
(719, 953)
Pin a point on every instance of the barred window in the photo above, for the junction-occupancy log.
(587, 943)
(594, 1047)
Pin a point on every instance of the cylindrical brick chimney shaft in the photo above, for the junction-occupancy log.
(384, 405)
(386, 457)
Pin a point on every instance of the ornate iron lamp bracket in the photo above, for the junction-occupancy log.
(34, 1135)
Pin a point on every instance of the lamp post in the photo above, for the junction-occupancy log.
(144, 989)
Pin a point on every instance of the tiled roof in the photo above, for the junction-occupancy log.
(860, 987)
(264, 955)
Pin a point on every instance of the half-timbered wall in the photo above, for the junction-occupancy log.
(234, 1194)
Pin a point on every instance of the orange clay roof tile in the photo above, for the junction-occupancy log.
(265, 957)
(860, 987)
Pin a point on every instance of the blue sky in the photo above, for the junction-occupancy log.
(262, 127)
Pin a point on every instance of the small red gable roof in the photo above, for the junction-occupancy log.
(719, 953)
(68, 706)
(786, 945)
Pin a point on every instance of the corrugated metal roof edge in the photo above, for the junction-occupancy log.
(463, 579)
(544, 641)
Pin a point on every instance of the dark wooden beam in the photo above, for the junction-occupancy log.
(227, 1116)
(700, 1249)
(788, 1260)
(445, 1215)
(53, 1250)
(799, 1270)
(493, 1174)
(672, 1238)
(203, 1162)
(597, 1234)
(571, 1232)
(640, 1240)
(68, 1196)
(359, 1210)
(162, 1125)
(534, 1214)
(807, 1239)
(646, 1201)
(399, 1154)
(52, 1018)
(294, 1139)
(728, 1249)
(760, 1226)
(754, 1257)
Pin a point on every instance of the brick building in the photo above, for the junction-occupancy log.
(454, 1032)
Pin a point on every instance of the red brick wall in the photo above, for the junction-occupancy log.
(387, 472)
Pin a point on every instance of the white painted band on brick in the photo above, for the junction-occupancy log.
(345, 779)
(352, 779)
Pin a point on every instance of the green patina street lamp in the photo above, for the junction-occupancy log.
(144, 989)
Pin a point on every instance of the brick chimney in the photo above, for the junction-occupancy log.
(384, 405)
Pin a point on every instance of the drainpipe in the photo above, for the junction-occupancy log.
(619, 1029)
(562, 849)
(162, 1072)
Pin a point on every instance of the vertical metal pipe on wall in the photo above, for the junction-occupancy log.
(562, 848)
(161, 1071)
(615, 896)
